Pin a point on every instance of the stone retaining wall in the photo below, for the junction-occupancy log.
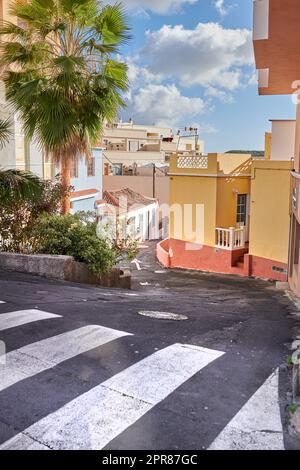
(63, 268)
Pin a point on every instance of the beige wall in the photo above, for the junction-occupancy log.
(129, 158)
(141, 184)
(270, 210)
(192, 191)
(227, 193)
(283, 140)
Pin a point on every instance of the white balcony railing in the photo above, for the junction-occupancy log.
(231, 238)
(195, 162)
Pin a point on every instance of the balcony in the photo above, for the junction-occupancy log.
(231, 238)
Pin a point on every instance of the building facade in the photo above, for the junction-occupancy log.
(130, 146)
(276, 44)
(86, 180)
(128, 213)
(227, 216)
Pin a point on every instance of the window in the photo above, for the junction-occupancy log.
(118, 169)
(242, 209)
(91, 167)
(74, 169)
(133, 146)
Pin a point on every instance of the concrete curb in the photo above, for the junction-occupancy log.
(63, 268)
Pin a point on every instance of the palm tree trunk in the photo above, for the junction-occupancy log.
(66, 182)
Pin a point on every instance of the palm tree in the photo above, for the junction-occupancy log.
(62, 75)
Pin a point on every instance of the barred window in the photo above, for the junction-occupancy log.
(91, 167)
(74, 169)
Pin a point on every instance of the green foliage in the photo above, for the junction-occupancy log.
(30, 223)
(58, 70)
(118, 237)
(74, 235)
(290, 362)
(19, 186)
(22, 204)
(292, 408)
(5, 132)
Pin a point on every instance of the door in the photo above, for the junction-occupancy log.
(242, 220)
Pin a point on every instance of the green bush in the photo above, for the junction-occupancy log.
(19, 216)
(74, 235)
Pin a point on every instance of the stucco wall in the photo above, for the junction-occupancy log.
(140, 184)
(227, 193)
(269, 211)
(89, 182)
(188, 190)
(283, 140)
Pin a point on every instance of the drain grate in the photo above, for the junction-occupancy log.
(163, 315)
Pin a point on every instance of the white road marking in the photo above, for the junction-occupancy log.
(42, 355)
(257, 426)
(2, 302)
(137, 264)
(22, 317)
(93, 419)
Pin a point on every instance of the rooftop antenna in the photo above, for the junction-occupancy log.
(193, 132)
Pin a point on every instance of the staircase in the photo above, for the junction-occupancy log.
(238, 262)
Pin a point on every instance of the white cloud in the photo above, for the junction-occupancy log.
(157, 6)
(209, 55)
(221, 95)
(220, 6)
(164, 105)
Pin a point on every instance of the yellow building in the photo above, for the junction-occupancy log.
(228, 215)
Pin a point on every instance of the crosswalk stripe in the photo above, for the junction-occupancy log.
(93, 419)
(22, 317)
(257, 426)
(45, 354)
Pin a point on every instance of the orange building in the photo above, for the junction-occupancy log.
(276, 44)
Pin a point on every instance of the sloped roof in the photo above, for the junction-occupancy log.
(132, 198)
(83, 193)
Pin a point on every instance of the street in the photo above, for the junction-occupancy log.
(84, 370)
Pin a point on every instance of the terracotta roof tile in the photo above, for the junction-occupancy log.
(132, 197)
(84, 192)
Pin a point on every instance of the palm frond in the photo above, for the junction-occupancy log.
(5, 132)
(20, 186)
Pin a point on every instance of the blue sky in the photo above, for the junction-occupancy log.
(191, 63)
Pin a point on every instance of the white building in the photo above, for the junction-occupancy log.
(128, 211)
(130, 145)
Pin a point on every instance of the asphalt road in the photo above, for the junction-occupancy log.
(85, 370)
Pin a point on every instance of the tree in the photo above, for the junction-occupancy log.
(61, 73)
